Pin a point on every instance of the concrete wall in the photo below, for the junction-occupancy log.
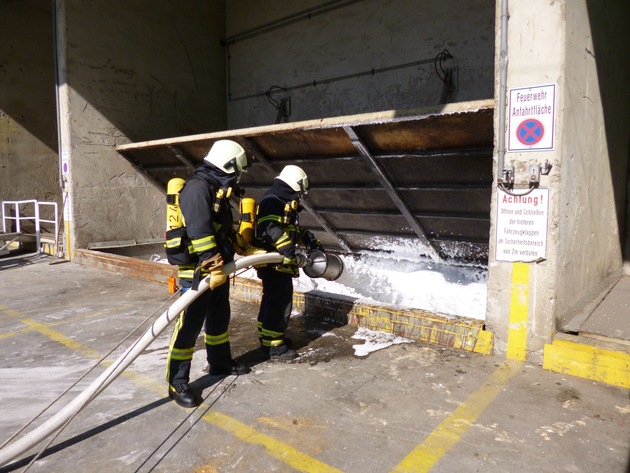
(28, 132)
(594, 153)
(611, 55)
(354, 38)
(553, 43)
(133, 73)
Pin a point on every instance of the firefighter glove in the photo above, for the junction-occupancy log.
(211, 263)
(217, 278)
(252, 250)
(298, 260)
(240, 245)
(213, 266)
(246, 249)
(311, 242)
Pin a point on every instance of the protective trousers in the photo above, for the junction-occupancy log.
(212, 308)
(275, 306)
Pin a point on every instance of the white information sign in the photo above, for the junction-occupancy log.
(531, 118)
(522, 226)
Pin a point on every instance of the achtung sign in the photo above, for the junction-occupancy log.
(531, 118)
(522, 226)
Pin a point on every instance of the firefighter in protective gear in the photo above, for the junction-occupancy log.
(204, 204)
(278, 229)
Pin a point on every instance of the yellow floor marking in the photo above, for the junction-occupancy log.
(64, 321)
(8, 311)
(519, 309)
(449, 432)
(62, 339)
(14, 333)
(585, 361)
(283, 452)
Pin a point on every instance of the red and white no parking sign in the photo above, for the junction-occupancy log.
(531, 115)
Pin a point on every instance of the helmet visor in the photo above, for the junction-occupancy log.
(240, 164)
(304, 186)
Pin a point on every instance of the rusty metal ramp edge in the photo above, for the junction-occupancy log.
(415, 324)
(422, 175)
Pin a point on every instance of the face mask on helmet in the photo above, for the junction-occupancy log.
(296, 178)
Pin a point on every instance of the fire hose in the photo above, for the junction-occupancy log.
(56, 422)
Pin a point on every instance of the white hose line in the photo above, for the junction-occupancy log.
(13, 450)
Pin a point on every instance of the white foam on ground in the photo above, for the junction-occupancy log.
(396, 273)
(375, 340)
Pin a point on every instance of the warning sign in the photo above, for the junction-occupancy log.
(531, 114)
(522, 226)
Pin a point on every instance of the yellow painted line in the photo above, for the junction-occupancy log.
(285, 453)
(88, 352)
(519, 309)
(64, 321)
(66, 230)
(424, 457)
(588, 362)
(7, 311)
(15, 332)
(15, 314)
(61, 339)
(275, 448)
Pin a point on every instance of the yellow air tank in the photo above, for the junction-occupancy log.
(174, 218)
(246, 226)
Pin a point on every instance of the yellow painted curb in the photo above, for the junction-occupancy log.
(416, 324)
(588, 361)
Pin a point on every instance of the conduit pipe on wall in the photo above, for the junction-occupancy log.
(503, 62)
(303, 15)
(354, 75)
(13, 450)
(307, 14)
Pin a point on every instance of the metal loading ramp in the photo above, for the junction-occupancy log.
(421, 175)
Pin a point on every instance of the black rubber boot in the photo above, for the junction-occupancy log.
(183, 395)
(234, 369)
(282, 353)
(221, 363)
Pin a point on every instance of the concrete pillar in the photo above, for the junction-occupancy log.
(63, 124)
(528, 302)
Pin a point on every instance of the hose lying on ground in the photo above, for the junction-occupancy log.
(56, 422)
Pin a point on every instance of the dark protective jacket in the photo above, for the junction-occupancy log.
(277, 222)
(209, 231)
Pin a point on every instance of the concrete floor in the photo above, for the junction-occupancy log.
(410, 407)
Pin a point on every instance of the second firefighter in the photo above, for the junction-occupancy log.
(278, 229)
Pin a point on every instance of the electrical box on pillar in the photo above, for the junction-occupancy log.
(533, 173)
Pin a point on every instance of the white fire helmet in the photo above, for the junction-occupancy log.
(295, 177)
(228, 156)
